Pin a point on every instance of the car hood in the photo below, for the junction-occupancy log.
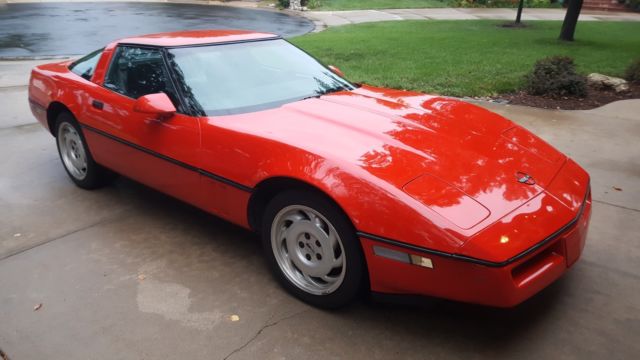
(458, 159)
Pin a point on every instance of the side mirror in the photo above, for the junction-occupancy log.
(155, 104)
(336, 71)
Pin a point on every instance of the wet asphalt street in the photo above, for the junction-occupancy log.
(45, 29)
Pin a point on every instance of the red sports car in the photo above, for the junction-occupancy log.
(351, 187)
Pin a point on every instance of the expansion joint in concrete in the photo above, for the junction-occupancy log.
(263, 328)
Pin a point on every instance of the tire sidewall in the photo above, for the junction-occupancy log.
(354, 258)
(92, 178)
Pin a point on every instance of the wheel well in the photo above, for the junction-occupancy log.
(267, 190)
(54, 109)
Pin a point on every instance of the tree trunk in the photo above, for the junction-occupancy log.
(570, 20)
(519, 15)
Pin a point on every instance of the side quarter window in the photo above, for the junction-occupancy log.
(86, 65)
(135, 72)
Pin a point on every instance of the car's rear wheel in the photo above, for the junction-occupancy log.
(75, 155)
(312, 248)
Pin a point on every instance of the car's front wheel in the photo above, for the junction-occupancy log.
(75, 155)
(312, 248)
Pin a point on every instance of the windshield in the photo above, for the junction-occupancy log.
(246, 77)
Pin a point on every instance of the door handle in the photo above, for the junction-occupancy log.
(97, 104)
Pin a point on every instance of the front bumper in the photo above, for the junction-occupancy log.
(455, 279)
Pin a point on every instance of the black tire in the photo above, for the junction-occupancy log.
(354, 265)
(94, 176)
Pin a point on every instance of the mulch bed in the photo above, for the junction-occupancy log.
(595, 98)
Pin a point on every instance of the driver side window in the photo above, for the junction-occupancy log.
(135, 72)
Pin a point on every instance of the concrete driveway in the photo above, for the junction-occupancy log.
(127, 273)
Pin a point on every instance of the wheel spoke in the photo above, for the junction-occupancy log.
(286, 234)
(311, 216)
(336, 262)
(294, 217)
(318, 223)
(333, 240)
(328, 279)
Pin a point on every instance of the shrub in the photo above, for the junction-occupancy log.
(633, 72)
(555, 76)
(633, 4)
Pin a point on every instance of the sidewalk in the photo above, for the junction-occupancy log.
(324, 19)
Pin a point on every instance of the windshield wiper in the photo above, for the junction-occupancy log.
(311, 97)
(325, 92)
(332, 90)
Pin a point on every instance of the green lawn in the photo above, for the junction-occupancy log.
(472, 58)
(381, 4)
